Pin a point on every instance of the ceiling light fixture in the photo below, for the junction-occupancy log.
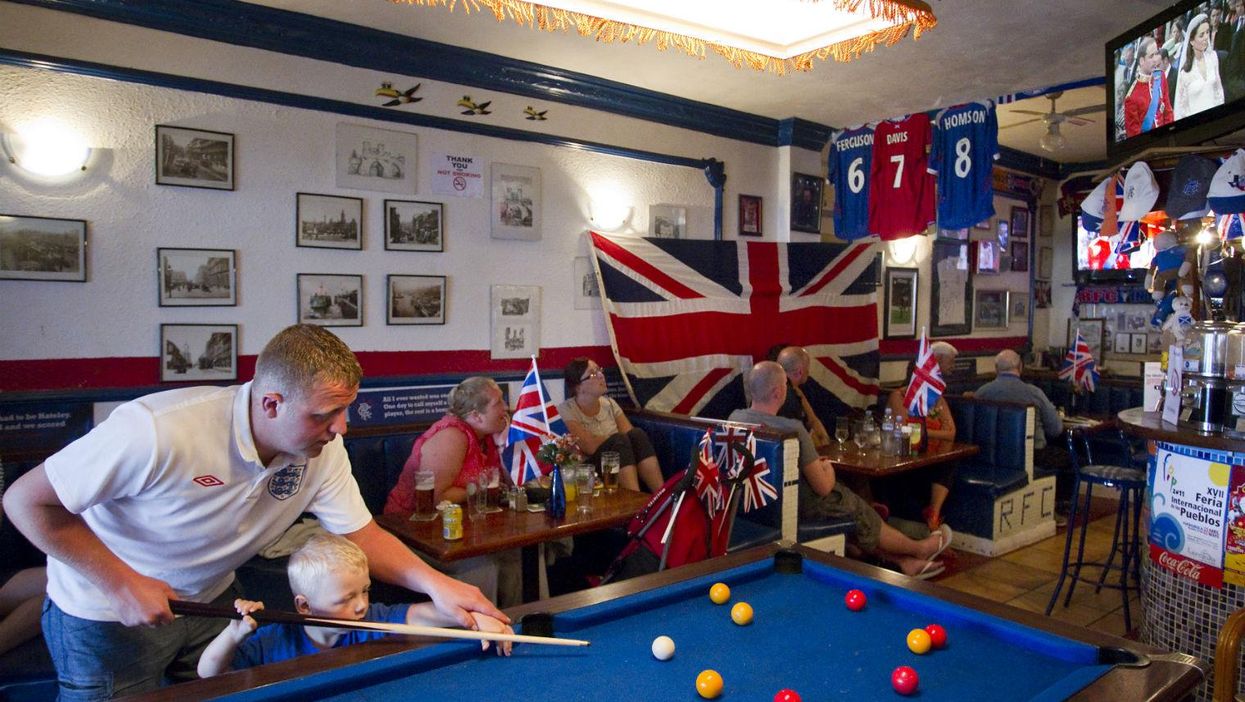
(777, 36)
(1052, 140)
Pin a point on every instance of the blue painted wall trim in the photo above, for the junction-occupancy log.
(300, 34)
(794, 131)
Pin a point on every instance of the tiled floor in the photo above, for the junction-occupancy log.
(1026, 578)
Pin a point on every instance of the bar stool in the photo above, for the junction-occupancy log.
(1131, 483)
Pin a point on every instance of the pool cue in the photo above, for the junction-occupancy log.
(199, 609)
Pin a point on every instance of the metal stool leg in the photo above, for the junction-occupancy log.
(1067, 544)
(1127, 553)
(1121, 523)
(1080, 551)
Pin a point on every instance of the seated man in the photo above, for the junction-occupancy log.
(1008, 387)
(795, 361)
(820, 494)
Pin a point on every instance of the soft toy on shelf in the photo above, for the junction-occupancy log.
(1170, 265)
(1177, 325)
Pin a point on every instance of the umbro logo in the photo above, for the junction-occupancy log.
(209, 481)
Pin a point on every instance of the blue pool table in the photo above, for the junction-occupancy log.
(802, 637)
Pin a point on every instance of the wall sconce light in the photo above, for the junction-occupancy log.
(903, 251)
(609, 216)
(47, 149)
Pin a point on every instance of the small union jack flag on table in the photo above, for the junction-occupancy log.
(1078, 365)
(926, 385)
(535, 422)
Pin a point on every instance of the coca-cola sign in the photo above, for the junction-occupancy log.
(1186, 567)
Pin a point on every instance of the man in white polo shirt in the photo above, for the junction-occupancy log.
(165, 498)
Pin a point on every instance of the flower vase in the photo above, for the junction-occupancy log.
(556, 509)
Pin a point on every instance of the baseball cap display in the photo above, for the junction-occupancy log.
(1186, 198)
(1141, 191)
(1093, 207)
(1227, 188)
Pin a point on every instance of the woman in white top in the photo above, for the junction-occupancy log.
(598, 424)
(1198, 86)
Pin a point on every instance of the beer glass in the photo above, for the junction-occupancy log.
(425, 485)
(609, 471)
(491, 477)
(584, 475)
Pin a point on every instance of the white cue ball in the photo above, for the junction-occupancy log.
(663, 648)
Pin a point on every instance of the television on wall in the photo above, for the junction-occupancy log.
(1167, 87)
(1099, 259)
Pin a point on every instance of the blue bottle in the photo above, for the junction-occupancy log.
(556, 509)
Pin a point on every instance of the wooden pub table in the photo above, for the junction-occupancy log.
(507, 529)
(872, 463)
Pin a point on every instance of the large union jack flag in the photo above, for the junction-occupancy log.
(1078, 366)
(534, 422)
(688, 317)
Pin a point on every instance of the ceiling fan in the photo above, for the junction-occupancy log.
(1052, 140)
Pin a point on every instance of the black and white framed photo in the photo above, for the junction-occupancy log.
(806, 203)
(516, 202)
(414, 226)
(196, 277)
(198, 353)
(415, 299)
(990, 309)
(1123, 343)
(1138, 344)
(987, 258)
(515, 318)
(951, 289)
(750, 215)
(1020, 306)
(667, 221)
(1020, 222)
(901, 297)
(1020, 256)
(1093, 330)
(587, 288)
(194, 158)
(42, 248)
(329, 221)
(330, 299)
(368, 158)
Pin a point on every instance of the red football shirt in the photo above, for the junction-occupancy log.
(901, 188)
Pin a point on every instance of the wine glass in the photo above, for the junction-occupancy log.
(841, 428)
(861, 436)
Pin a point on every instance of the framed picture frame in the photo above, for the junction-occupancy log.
(1093, 329)
(1019, 307)
(196, 277)
(1020, 222)
(415, 299)
(1046, 220)
(1046, 262)
(328, 221)
(806, 203)
(330, 299)
(42, 248)
(991, 309)
(1137, 343)
(1041, 294)
(901, 303)
(1020, 256)
(587, 287)
(194, 158)
(516, 202)
(411, 225)
(749, 215)
(987, 259)
(367, 158)
(951, 289)
(667, 221)
(1122, 342)
(515, 316)
(198, 353)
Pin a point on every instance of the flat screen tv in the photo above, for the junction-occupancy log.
(1097, 260)
(1176, 79)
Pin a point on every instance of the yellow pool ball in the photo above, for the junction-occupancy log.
(709, 684)
(918, 641)
(741, 613)
(719, 593)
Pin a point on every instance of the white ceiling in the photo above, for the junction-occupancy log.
(980, 49)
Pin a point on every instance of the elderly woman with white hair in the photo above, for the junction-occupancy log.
(939, 426)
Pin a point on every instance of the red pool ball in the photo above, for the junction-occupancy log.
(937, 635)
(855, 600)
(904, 680)
(787, 696)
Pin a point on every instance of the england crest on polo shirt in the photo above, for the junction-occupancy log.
(285, 483)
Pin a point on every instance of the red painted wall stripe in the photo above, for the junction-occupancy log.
(898, 347)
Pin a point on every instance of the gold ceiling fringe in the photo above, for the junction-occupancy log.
(913, 16)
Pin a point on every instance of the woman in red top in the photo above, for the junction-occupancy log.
(939, 426)
(1140, 114)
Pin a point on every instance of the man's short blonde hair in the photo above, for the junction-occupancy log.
(320, 557)
(303, 355)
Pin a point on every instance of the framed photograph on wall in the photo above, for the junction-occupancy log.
(1122, 342)
(806, 203)
(196, 277)
(1020, 306)
(330, 299)
(987, 258)
(414, 226)
(901, 298)
(516, 202)
(1046, 220)
(368, 158)
(1046, 262)
(750, 215)
(990, 309)
(1020, 222)
(1138, 344)
(328, 221)
(194, 158)
(1041, 294)
(42, 248)
(198, 353)
(667, 221)
(415, 299)
(587, 288)
(1092, 330)
(1020, 256)
(515, 318)
(951, 289)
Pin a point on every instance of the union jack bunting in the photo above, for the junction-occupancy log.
(535, 421)
(1078, 365)
(927, 384)
(688, 317)
(758, 491)
(708, 481)
(725, 438)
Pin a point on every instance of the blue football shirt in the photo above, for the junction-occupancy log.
(851, 155)
(966, 143)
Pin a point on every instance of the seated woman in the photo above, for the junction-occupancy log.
(939, 425)
(598, 424)
(457, 449)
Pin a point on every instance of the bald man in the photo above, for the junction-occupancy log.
(796, 361)
(821, 496)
